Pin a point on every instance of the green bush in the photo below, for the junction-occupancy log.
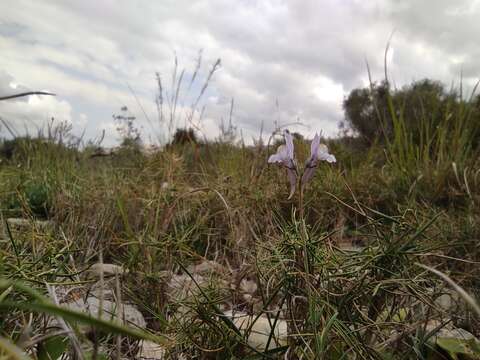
(32, 197)
(38, 199)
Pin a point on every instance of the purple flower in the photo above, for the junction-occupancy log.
(285, 157)
(318, 152)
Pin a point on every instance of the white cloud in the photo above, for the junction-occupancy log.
(82, 120)
(35, 113)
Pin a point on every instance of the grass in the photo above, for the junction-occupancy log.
(160, 214)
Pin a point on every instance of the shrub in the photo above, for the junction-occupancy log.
(184, 136)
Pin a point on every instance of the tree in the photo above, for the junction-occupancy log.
(130, 134)
(420, 106)
(365, 111)
(184, 136)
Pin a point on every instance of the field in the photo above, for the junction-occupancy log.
(376, 258)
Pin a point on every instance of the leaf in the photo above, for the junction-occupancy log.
(52, 348)
(89, 356)
(469, 349)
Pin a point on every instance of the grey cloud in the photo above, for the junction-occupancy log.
(271, 51)
(448, 28)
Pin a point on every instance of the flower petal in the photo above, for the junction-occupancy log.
(285, 155)
(318, 152)
(324, 155)
(274, 159)
(331, 158)
(307, 175)
(314, 147)
(289, 144)
(279, 156)
(292, 178)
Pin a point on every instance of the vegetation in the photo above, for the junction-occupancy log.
(374, 230)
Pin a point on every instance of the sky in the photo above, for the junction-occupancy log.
(282, 62)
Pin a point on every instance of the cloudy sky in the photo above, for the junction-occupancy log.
(281, 61)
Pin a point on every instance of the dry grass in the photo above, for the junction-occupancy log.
(190, 203)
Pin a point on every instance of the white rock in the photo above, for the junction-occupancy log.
(181, 286)
(248, 286)
(104, 290)
(455, 333)
(261, 329)
(350, 245)
(247, 298)
(206, 267)
(458, 333)
(129, 316)
(165, 185)
(448, 331)
(448, 301)
(26, 223)
(151, 351)
(108, 269)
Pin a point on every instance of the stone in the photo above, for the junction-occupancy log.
(108, 270)
(130, 315)
(165, 185)
(206, 267)
(261, 329)
(22, 223)
(248, 286)
(151, 351)
(449, 300)
(454, 341)
(350, 245)
(182, 286)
